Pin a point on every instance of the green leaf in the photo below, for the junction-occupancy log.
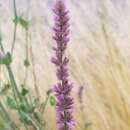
(16, 20)
(24, 23)
(26, 109)
(24, 92)
(52, 101)
(21, 21)
(24, 117)
(6, 60)
(11, 103)
(26, 63)
(88, 124)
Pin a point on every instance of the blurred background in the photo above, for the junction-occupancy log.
(99, 53)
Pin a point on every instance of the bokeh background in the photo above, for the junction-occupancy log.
(99, 53)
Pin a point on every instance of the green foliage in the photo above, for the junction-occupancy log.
(18, 100)
(26, 63)
(21, 21)
(27, 112)
(11, 103)
(27, 108)
(6, 60)
(23, 109)
(24, 118)
(52, 101)
(37, 116)
(15, 20)
(24, 92)
(24, 23)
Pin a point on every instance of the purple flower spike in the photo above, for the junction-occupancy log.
(64, 105)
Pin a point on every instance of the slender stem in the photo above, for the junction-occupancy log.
(34, 73)
(15, 27)
(1, 46)
(15, 10)
(45, 104)
(12, 80)
(4, 114)
(14, 39)
(26, 43)
(2, 51)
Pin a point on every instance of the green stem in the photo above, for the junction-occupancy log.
(5, 115)
(45, 104)
(13, 82)
(1, 46)
(15, 27)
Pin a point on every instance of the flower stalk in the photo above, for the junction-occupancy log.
(62, 90)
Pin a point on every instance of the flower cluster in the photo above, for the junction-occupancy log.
(62, 89)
